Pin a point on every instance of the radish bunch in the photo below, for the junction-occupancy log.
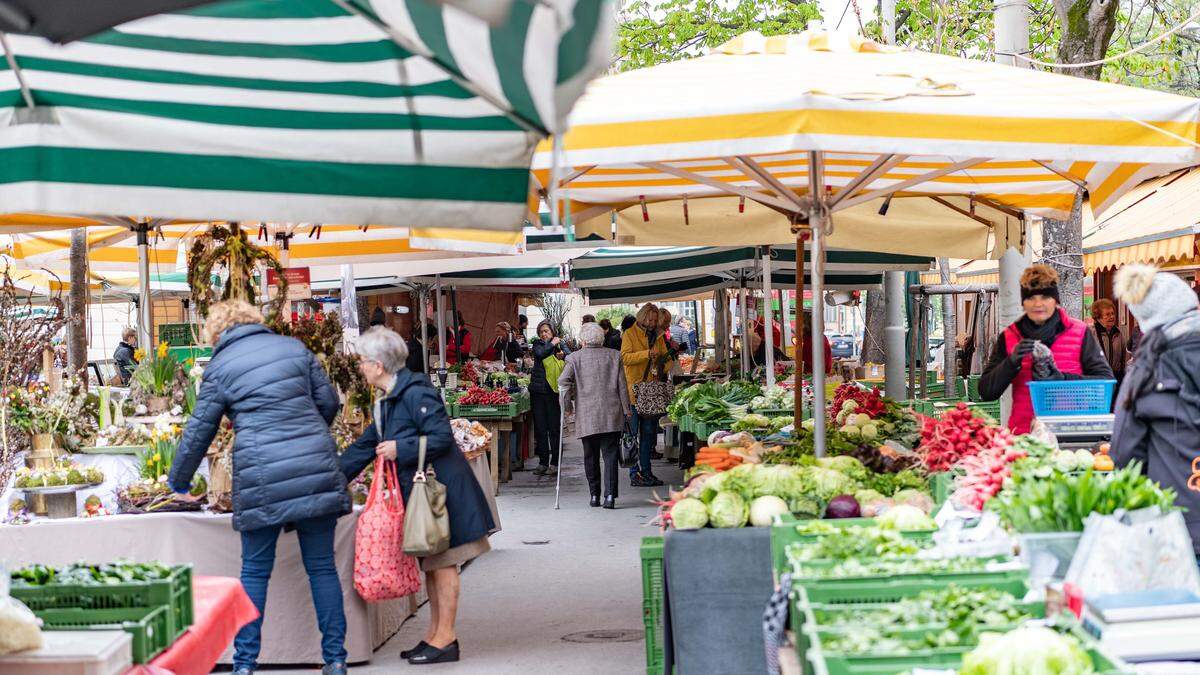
(481, 396)
(956, 435)
(985, 475)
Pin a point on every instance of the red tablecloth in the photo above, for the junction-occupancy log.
(221, 609)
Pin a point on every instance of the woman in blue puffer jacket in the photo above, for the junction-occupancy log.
(285, 464)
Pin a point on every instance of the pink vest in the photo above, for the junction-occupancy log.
(1067, 349)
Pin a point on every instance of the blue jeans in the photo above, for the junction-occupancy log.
(647, 431)
(316, 550)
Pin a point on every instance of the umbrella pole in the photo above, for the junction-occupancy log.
(818, 222)
(441, 325)
(145, 313)
(422, 322)
(769, 313)
(798, 392)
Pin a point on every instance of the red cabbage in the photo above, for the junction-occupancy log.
(843, 506)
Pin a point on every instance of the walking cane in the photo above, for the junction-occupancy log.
(562, 422)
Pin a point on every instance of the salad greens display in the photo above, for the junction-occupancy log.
(85, 574)
(953, 607)
(860, 542)
(713, 402)
(855, 568)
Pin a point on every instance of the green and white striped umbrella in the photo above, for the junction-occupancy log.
(297, 111)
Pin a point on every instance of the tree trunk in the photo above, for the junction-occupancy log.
(1087, 28)
(875, 320)
(77, 301)
(949, 334)
(1062, 249)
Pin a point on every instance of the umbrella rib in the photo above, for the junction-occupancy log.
(26, 93)
(767, 200)
(915, 180)
(962, 211)
(1063, 174)
(1007, 210)
(879, 167)
(755, 170)
(410, 46)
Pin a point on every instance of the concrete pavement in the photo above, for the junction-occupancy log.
(574, 573)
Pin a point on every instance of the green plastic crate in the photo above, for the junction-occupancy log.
(175, 591)
(653, 599)
(179, 334)
(148, 626)
(487, 411)
(941, 486)
(183, 354)
(973, 388)
(783, 534)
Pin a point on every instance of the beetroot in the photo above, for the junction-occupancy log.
(843, 506)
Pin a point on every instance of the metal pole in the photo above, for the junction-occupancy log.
(422, 323)
(785, 318)
(887, 16)
(818, 222)
(798, 398)
(145, 313)
(894, 352)
(769, 313)
(949, 334)
(743, 301)
(441, 326)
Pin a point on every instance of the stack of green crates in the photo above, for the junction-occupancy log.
(179, 334)
(155, 613)
(653, 600)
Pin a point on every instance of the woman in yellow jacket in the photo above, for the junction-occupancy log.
(645, 355)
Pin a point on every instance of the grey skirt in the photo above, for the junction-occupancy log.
(457, 556)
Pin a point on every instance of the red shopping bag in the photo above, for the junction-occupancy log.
(381, 569)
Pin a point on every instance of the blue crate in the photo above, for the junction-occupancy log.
(1053, 398)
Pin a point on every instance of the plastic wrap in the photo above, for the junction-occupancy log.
(20, 629)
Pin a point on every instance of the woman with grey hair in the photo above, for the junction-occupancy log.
(593, 385)
(411, 408)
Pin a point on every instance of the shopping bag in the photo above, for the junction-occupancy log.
(382, 571)
(1134, 551)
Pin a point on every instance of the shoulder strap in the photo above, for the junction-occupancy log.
(421, 453)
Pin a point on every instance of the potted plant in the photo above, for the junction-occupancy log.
(156, 377)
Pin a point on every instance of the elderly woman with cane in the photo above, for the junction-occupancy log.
(411, 408)
(593, 385)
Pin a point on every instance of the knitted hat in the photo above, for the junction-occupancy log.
(1154, 297)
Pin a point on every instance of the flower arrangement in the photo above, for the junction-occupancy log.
(63, 474)
(154, 463)
(36, 410)
(156, 375)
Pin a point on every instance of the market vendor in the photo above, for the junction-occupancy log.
(504, 346)
(125, 356)
(1071, 350)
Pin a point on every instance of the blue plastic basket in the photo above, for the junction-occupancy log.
(1071, 397)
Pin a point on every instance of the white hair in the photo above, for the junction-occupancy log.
(591, 334)
(383, 345)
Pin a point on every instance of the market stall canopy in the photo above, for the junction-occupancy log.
(299, 111)
(1155, 223)
(973, 272)
(44, 283)
(114, 247)
(747, 120)
(533, 269)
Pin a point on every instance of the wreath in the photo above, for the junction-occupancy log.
(229, 246)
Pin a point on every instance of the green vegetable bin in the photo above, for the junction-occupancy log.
(941, 486)
(653, 602)
(175, 591)
(783, 534)
(148, 626)
(504, 410)
(178, 334)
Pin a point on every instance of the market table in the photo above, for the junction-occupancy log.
(208, 541)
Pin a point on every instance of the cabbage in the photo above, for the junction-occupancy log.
(804, 507)
(1029, 650)
(827, 483)
(906, 519)
(764, 509)
(868, 496)
(1084, 459)
(689, 514)
(728, 509)
(845, 464)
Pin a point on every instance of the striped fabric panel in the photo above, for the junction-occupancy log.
(858, 104)
(294, 111)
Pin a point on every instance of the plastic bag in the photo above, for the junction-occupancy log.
(1134, 551)
(20, 629)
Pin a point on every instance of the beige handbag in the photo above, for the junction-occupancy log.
(426, 522)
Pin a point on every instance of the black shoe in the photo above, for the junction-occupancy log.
(518, 466)
(415, 650)
(639, 480)
(595, 500)
(610, 502)
(656, 455)
(651, 480)
(432, 654)
(541, 470)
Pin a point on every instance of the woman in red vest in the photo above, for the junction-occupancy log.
(1074, 352)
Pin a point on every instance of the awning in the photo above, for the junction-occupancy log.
(297, 111)
(1156, 223)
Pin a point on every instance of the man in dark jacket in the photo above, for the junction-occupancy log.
(124, 356)
(612, 336)
(285, 464)
(1158, 407)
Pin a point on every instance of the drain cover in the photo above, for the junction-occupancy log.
(618, 635)
(536, 543)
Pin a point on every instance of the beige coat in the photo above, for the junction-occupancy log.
(592, 383)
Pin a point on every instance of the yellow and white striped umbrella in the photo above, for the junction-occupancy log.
(746, 119)
(114, 248)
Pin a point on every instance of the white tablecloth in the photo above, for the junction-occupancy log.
(209, 542)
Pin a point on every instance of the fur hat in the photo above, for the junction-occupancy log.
(1155, 298)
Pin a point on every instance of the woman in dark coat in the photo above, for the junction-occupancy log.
(1158, 407)
(285, 465)
(543, 400)
(412, 408)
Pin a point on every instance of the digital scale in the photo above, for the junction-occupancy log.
(1079, 431)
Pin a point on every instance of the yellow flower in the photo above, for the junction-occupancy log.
(157, 457)
(139, 354)
(162, 350)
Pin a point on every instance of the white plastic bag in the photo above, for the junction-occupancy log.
(1136, 551)
(20, 629)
